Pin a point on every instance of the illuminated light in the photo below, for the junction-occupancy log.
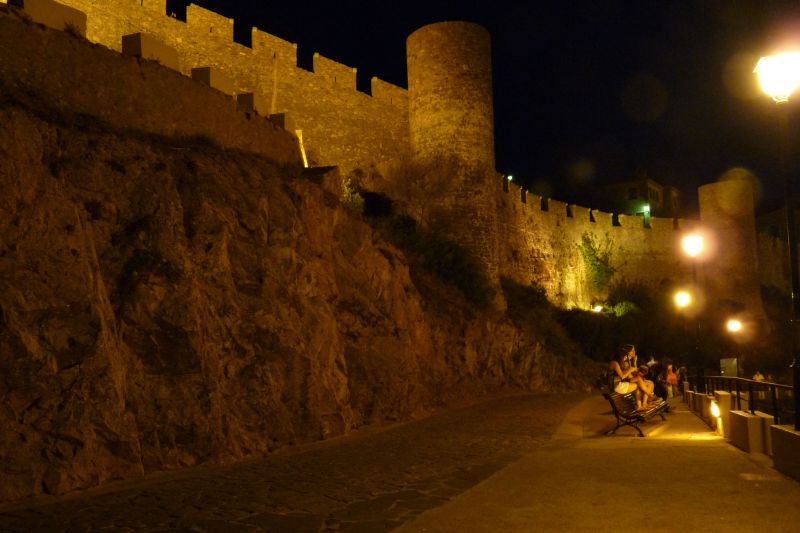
(683, 298)
(692, 244)
(715, 410)
(734, 325)
(646, 208)
(510, 177)
(597, 308)
(299, 134)
(779, 75)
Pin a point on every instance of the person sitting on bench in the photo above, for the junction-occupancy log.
(626, 377)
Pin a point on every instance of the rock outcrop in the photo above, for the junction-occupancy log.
(166, 302)
(169, 298)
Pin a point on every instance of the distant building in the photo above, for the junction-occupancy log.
(646, 196)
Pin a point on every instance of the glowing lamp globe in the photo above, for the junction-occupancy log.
(734, 326)
(779, 75)
(682, 298)
(692, 244)
(715, 412)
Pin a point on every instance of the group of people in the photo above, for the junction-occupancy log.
(651, 383)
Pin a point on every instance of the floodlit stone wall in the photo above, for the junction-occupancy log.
(513, 233)
(540, 245)
(450, 89)
(773, 262)
(727, 210)
(54, 15)
(63, 73)
(340, 125)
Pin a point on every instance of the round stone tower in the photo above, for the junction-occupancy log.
(451, 121)
(450, 93)
(731, 273)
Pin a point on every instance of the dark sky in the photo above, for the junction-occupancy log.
(586, 92)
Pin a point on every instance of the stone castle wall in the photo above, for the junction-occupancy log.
(773, 262)
(40, 70)
(340, 125)
(540, 245)
(509, 231)
(727, 208)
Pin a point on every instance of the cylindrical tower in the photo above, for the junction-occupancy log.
(731, 272)
(450, 93)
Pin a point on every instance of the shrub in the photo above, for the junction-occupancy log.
(73, 30)
(377, 204)
(351, 194)
(430, 250)
(452, 263)
(530, 310)
(597, 259)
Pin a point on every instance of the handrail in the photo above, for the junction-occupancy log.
(753, 393)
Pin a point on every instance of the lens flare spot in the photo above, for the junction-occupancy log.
(581, 171)
(644, 98)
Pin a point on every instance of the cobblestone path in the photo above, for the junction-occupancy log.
(374, 480)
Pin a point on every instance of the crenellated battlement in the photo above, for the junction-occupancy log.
(267, 44)
(336, 73)
(541, 241)
(579, 214)
(340, 125)
(217, 27)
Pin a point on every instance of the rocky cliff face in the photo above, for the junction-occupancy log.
(166, 302)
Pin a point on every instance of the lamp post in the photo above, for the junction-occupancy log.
(734, 326)
(779, 76)
(692, 245)
(683, 299)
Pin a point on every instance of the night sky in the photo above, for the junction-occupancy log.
(586, 92)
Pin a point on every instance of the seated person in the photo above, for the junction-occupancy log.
(626, 377)
(647, 385)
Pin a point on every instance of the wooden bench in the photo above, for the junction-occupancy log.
(624, 407)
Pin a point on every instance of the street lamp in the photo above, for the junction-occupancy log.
(734, 325)
(683, 299)
(693, 245)
(779, 76)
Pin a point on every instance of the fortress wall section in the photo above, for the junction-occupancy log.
(727, 209)
(72, 77)
(543, 247)
(390, 93)
(531, 244)
(340, 125)
(773, 262)
(337, 74)
(651, 255)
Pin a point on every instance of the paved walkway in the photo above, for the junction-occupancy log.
(374, 480)
(681, 477)
(487, 467)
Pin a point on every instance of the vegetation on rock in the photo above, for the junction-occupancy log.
(597, 258)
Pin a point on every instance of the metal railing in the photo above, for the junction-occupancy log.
(775, 399)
